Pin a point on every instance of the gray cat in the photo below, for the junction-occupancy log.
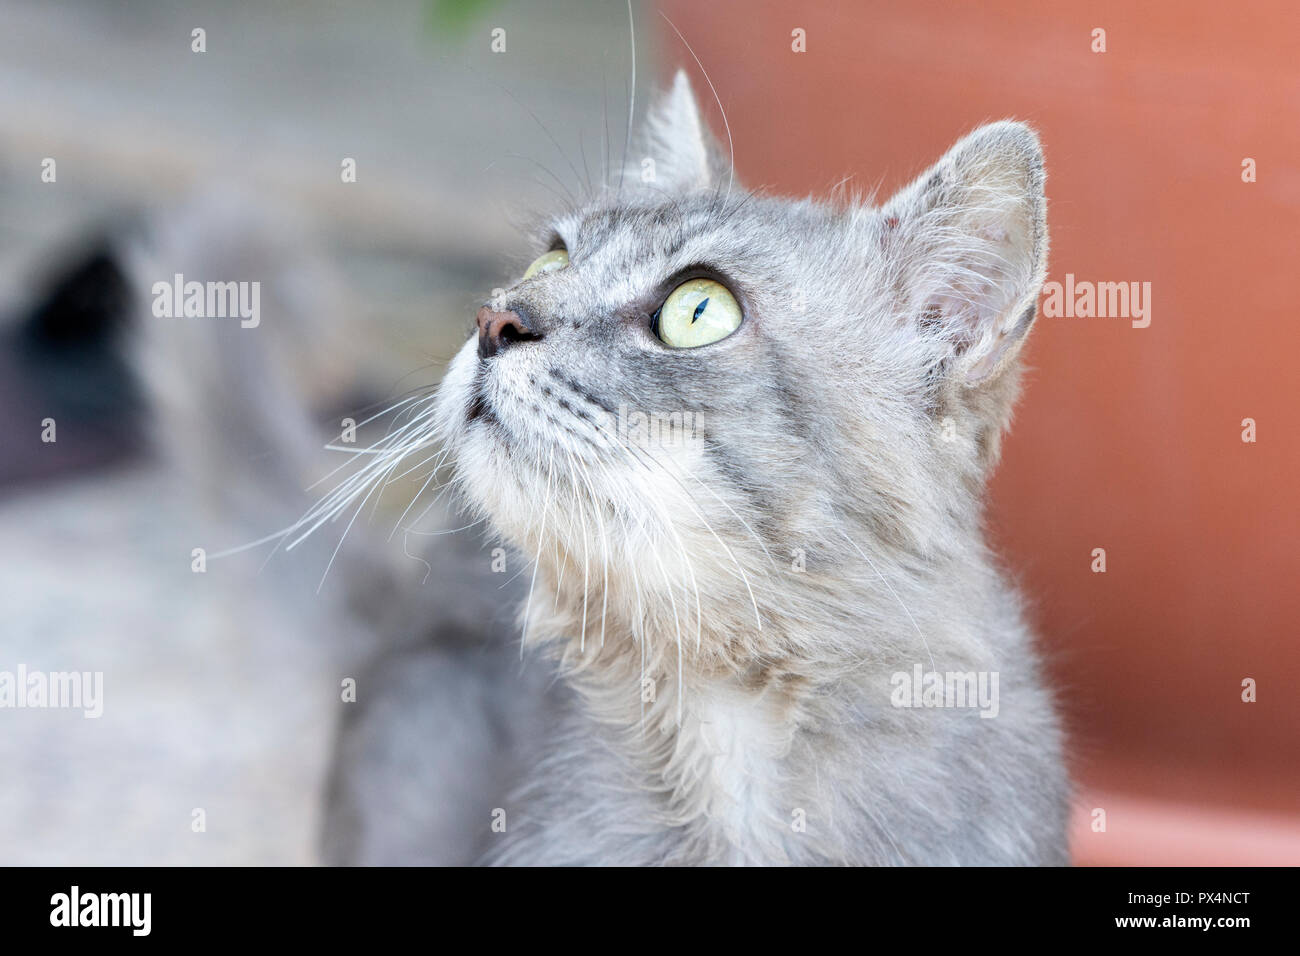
(741, 443)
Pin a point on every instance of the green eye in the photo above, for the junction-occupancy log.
(699, 312)
(548, 262)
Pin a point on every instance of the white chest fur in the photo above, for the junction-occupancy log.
(727, 762)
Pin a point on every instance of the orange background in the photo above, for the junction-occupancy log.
(1126, 439)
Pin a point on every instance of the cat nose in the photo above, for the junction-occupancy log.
(496, 330)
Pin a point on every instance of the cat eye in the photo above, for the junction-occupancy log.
(698, 312)
(547, 262)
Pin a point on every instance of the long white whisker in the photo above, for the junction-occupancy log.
(541, 543)
(730, 144)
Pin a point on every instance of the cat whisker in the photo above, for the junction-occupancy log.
(343, 538)
(543, 127)
(428, 567)
(443, 489)
(604, 120)
(757, 540)
(568, 196)
(630, 453)
(582, 519)
(666, 518)
(685, 554)
(631, 99)
(597, 508)
(356, 451)
(731, 146)
(541, 543)
(582, 153)
(434, 534)
(416, 497)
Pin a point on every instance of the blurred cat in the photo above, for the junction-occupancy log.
(229, 675)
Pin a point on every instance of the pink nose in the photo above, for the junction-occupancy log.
(496, 330)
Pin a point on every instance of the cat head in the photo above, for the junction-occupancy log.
(692, 381)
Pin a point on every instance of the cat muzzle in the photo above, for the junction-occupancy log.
(497, 330)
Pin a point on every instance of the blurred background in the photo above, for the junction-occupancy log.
(222, 695)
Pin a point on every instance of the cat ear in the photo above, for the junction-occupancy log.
(971, 234)
(675, 152)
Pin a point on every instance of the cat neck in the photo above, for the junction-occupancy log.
(713, 726)
(759, 621)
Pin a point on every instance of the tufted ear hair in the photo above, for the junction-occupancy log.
(970, 237)
(674, 152)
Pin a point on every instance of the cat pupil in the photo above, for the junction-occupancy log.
(699, 309)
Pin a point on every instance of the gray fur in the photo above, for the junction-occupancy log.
(854, 419)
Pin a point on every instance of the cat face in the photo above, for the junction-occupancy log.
(688, 369)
